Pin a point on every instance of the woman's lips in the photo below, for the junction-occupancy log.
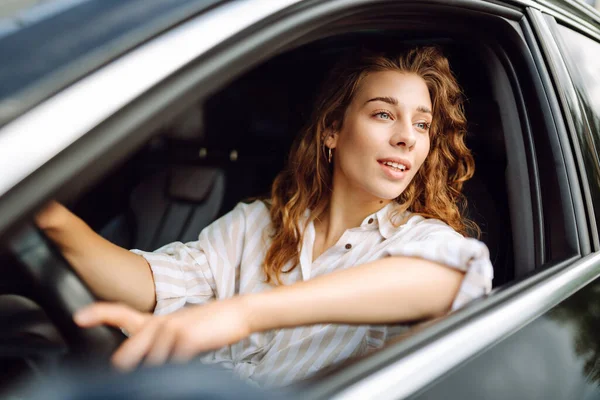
(393, 173)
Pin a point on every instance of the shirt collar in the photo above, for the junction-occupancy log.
(384, 219)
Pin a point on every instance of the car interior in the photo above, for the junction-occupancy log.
(228, 147)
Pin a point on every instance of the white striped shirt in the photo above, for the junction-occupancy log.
(227, 260)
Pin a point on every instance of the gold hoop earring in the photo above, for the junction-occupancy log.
(329, 156)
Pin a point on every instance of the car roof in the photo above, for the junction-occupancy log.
(46, 47)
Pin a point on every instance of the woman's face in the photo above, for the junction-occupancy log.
(384, 139)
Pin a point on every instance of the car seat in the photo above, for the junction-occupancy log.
(172, 203)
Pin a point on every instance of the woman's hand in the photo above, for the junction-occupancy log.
(176, 337)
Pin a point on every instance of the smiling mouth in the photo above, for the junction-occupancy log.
(395, 166)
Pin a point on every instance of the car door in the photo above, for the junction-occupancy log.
(555, 355)
(536, 338)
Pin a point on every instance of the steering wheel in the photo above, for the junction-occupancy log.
(60, 292)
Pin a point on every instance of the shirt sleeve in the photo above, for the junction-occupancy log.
(199, 271)
(453, 250)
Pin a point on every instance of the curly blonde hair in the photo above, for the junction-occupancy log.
(435, 191)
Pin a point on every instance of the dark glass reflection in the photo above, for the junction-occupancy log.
(582, 312)
(581, 57)
(556, 356)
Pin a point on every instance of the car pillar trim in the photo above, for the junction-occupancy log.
(568, 98)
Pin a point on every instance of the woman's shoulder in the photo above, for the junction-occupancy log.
(246, 216)
(419, 227)
(252, 208)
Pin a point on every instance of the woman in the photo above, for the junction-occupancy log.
(373, 183)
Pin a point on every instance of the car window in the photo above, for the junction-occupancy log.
(583, 61)
(582, 58)
(18, 15)
(40, 53)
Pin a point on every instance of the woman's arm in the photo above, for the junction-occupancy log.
(393, 289)
(389, 290)
(112, 273)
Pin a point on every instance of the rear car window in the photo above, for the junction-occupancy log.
(581, 55)
(583, 61)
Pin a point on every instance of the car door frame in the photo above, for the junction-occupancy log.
(545, 289)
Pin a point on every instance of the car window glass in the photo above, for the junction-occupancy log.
(41, 54)
(582, 58)
(15, 15)
(583, 61)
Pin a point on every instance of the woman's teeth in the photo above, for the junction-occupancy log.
(394, 165)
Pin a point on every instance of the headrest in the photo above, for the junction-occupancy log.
(191, 183)
(186, 125)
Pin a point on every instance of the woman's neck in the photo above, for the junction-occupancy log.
(343, 213)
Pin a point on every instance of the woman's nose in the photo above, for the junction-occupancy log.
(403, 135)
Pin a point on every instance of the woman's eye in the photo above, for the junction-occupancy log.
(424, 126)
(383, 115)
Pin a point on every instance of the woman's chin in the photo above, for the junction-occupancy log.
(386, 189)
(380, 190)
(388, 195)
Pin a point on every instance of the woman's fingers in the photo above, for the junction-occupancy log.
(185, 348)
(152, 337)
(117, 315)
(133, 350)
(165, 339)
(178, 337)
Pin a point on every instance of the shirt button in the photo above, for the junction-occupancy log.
(370, 221)
(348, 246)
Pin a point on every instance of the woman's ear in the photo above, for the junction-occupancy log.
(331, 138)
